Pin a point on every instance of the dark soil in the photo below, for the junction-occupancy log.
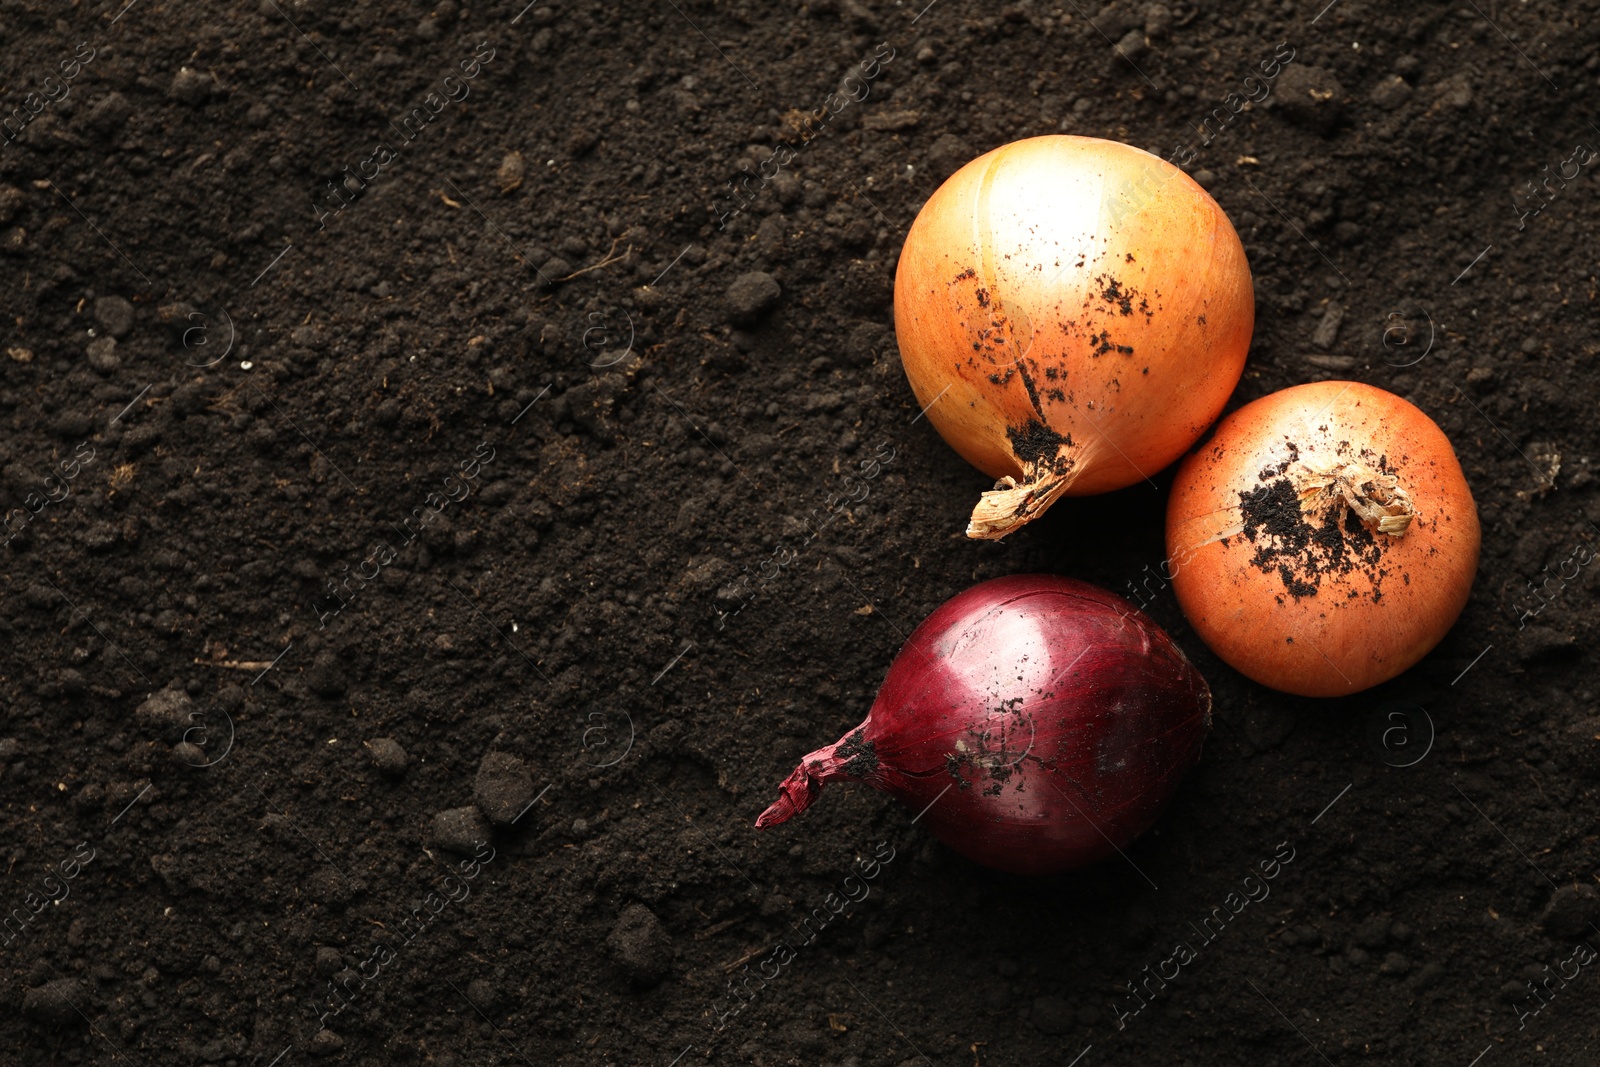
(497, 446)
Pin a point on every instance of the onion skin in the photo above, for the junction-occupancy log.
(1353, 606)
(1036, 723)
(1070, 289)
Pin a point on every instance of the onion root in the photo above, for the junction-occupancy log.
(1015, 502)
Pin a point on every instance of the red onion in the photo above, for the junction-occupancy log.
(1036, 722)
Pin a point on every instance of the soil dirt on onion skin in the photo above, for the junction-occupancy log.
(1041, 449)
(1304, 540)
(261, 627)
(1302, 548)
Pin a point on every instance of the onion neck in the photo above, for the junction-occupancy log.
(1014, 503)
(851, 758)
(1376, 499)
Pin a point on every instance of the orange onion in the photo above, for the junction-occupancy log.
(1324, 539)
(1072, 313)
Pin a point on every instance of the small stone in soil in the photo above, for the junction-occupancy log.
(1310, 97)
(504, 788)
(1328, 329)
(388, 756)
(326, 1043)
(1118, 19)
(459, 830)
(1455, 91)
(640, 946)
(512, 169)
(109, 113)
(114, 314)
(1132, 45)
(102, 353)
(189, 86)
(326, 676)
(169, 707)
(1391, 92)
(751, 296)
